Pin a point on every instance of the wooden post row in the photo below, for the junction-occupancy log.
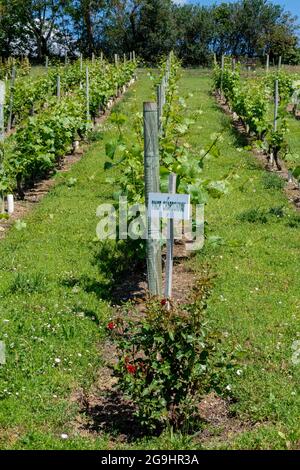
(151, 166)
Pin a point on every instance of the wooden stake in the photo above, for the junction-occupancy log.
(152, 184)
(58, 91)
(170, 245)
(276, 104)
(11, 101)
(222, 73)
(2, 135)
(268, 63)
(163, 93)
(87, 90)
(10, 204)
(2, 103)
(159, 107)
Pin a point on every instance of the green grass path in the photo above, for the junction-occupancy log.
(256, 296)
(52, 314)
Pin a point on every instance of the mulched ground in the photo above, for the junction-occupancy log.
(104, 410)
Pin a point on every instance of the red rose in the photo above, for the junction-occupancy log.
(164, 302)
(111, 325)
(131, 369)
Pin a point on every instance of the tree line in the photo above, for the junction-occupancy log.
(152, 28)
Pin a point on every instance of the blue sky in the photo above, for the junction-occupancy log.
(291, 5)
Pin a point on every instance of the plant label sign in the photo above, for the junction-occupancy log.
(169, 206)
(2, 93)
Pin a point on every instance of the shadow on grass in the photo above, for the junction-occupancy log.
(234, 128)
(115, 416)
(121, 268)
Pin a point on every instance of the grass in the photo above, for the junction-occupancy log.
(256, 295)
(37, 71)
(293, 140)
(52, 315)
(53, 309)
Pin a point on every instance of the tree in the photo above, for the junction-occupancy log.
(41, 18)
(150, 27)
(88, 18)
(11, 26)
(146, 26)
(194, 34)
(156, 29)
(121, 23)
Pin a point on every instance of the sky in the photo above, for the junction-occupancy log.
(292, 5)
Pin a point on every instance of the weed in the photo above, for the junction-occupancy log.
(25, 284)
(253, 216)
(294, 221)
(272, 181)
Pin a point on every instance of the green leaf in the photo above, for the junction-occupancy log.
(108, 165)
(215, 240)
(217, 188)
(296, 172)
(110, 149)
(20, 225)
